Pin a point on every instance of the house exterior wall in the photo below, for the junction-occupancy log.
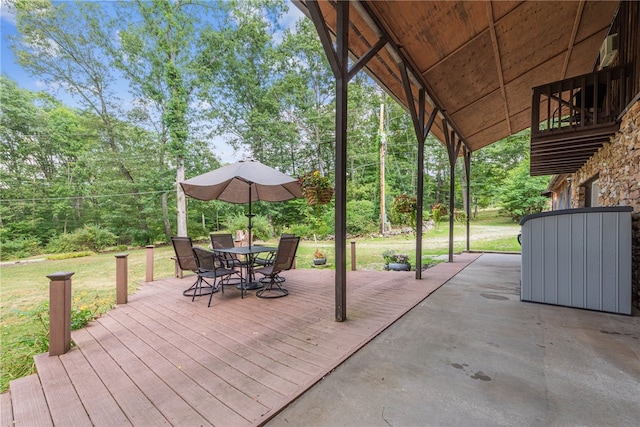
(617, 168)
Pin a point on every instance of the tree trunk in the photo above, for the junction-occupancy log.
(165, 217)
(182, 204)
(463, 186)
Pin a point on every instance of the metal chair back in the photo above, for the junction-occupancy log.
(184, 255)
(286, 253)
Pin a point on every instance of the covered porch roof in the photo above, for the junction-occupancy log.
(476, 61)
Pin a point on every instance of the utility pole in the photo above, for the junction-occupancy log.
(383, 143)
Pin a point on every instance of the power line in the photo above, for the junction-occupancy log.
(93, 196)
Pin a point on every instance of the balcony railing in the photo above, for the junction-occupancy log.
(580, 103)
(571, 119)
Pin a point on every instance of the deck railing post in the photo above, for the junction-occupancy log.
(353, 255)
(59, 313)
(149, 275)
(122, 279)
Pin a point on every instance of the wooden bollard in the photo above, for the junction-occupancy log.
(59, 313)
(149, 275)
(122, 279)
(353, 255)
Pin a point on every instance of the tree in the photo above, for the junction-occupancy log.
(159, 56)
(522, 194)
(66, 44)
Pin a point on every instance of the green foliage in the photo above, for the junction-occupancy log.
(390, 256)
(521, 194)
(438, 212)
(19, 248)
(361, 217)
(17, 354)
(90, 237)
(70, 255)
(261, 228)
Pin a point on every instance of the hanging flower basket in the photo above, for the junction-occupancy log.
(318, 196)
(316, 188)
(404, 203)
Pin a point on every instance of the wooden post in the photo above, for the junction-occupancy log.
(59, 313)
(353, 255)
(149, 275)
(122, 281)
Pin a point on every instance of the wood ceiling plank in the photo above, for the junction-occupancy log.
(592, 21)
(487, 136)
(481, 114)
(443, 26)
(584, 55)
(503, 8)
(465, 76)
(532, 34)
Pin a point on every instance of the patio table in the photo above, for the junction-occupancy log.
(249, 252)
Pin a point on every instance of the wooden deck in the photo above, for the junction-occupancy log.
(162, 359)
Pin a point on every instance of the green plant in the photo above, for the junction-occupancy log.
(314, 180)
(361, 217)
(404, 203)
(390, 256)
(522, 194)
(90, 237)
(70, 255)
(19, 248)
(82, 314)
(438, 212)
(403, 209)
(261, 228)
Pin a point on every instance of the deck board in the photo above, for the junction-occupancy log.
(29, 404)
(65, 406)
(6, 412)
(162, 359)
(96, 398)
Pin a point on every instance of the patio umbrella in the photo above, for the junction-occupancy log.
(243, 182)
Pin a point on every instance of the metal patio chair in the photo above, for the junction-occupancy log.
(186, 261)
(283, 260)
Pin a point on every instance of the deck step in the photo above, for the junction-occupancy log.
(63, 401)
(6, 411)
(28, 402)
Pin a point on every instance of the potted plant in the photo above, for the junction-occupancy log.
(396, 262)
(319, 258)
(316, 188)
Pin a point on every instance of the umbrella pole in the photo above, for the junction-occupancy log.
(250, 216)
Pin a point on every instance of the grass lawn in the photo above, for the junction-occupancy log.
(24, 287)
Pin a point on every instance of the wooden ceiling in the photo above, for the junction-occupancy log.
(477, 60)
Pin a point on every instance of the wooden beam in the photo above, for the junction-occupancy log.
(323, 33)
(496, 55)
(342, 83)
(453, 149)
(421, 130)
(366, 58)
(572, 39)
(467, 172)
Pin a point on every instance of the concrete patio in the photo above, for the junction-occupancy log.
(473, 354)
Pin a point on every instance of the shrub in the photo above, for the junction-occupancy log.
(522, 193)
(361, 217)
(90, 237)
(261, 228)
(19, 248)
(70, 255)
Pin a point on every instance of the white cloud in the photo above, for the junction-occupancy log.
(7, 14)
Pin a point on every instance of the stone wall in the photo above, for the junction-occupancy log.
(617, 165)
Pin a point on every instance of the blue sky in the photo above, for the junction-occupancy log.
(11, 69)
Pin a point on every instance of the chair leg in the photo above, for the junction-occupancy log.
(272, 289)
(197, 289)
